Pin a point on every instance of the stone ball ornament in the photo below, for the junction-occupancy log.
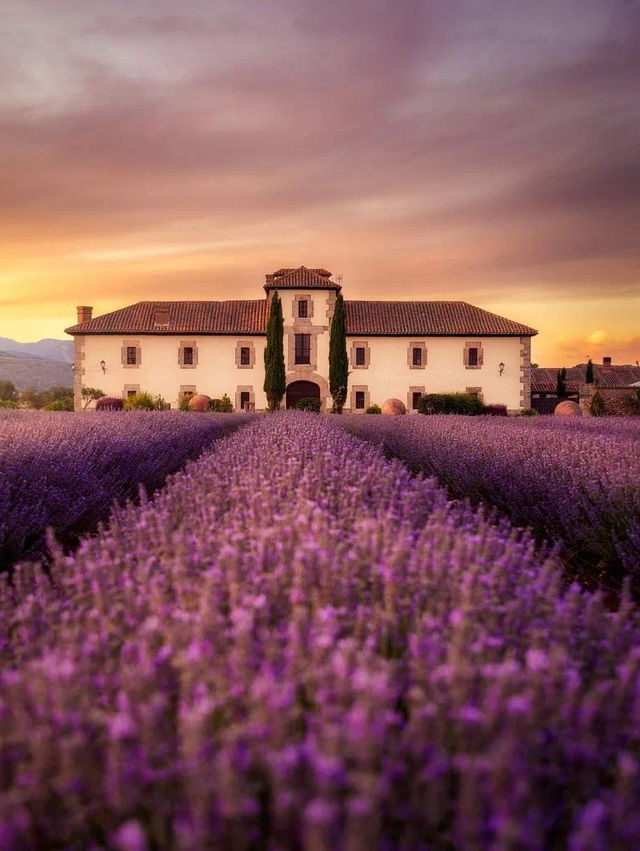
(199, 403)
(567, 409)
(394, 407)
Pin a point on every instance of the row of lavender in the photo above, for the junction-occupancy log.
(573, 482)
(298, 644)
(64, 471)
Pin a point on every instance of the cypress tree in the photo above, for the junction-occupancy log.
(588, 379)
(275, 382)
(338, 362)
(561, 378)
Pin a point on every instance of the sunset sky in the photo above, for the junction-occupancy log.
(485, 151)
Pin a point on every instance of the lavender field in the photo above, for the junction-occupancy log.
(64, 471)
(300, 645)
(575, 483)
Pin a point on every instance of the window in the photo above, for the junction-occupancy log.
(245, 356)
(417, 356)
(472, 356)
(303, 309)
(131, 393)
(132, 353)
(187, 355)
(361, 356)
(415, 398)
(360, 397)
(245, 398)
(303, 348)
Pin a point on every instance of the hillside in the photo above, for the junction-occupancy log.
(40, 373)
(49, 349)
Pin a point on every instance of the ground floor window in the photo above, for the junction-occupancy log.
(415, 398)
(245, 398)
(360, 399)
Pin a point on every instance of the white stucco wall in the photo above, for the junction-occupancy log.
(387, 375)
(160, 373)
(390, 376)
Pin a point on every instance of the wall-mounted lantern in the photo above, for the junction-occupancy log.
(103, 365)
(501, 367)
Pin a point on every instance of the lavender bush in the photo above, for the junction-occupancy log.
(576, 482)
(299, 645)
(65, 470)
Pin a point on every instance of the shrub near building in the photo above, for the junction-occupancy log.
(449, 403)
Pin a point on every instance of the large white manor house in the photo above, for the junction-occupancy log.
(397, 349)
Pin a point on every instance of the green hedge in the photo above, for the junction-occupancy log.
(450, 403)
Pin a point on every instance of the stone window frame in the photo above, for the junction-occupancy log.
(126, 344)
(421, 390)
(245, 344)
(130, 390)
(296, 301)
(301, 368)
(245, 388)
(475, 391)
(360, 388)
(186, 390)
(187, 344)
(302, 336)
(417, 344)
(359, 344)
(465, 355)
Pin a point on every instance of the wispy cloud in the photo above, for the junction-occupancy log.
(487, 155)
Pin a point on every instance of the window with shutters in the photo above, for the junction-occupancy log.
(472, 355)
(303, 348)
(359, 354)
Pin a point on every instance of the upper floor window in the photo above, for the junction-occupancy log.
(303, 309)
(360, 399)
(132, 355)
(245, 356)
(417, 356)
(472, 356)
(187, 355)
(361, 356)
(303, 348)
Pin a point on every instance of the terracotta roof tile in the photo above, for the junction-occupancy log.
(543, 378)
(363, 318)
(427, 319)
(185, 317)
(301, 279)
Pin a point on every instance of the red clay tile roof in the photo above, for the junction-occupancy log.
(543, 379)
(427, 319)
(185, 317)
(301, 279)
(363, 318)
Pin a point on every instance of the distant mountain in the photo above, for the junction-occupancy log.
(40, 373)
(55, 350)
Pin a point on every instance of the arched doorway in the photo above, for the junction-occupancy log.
(301, 390)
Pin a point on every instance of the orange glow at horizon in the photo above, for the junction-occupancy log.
(422, 153)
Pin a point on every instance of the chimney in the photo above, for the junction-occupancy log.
(606, 363)
(84, 314)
